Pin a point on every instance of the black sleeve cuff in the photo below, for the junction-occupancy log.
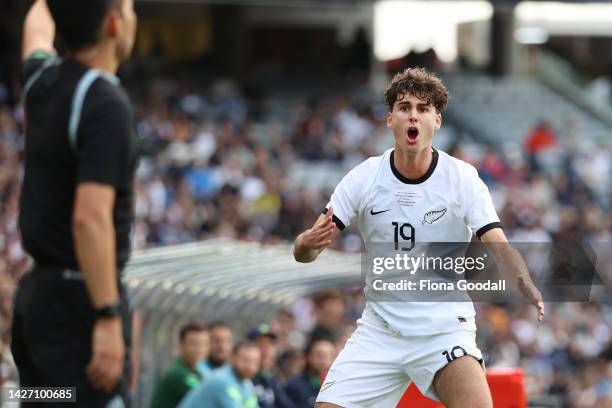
(336, 220)
(488, 227)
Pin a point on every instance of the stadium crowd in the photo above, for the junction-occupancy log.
(217, 163)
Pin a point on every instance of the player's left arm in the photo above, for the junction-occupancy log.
(511, 263)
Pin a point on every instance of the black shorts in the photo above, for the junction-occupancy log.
(53, 321)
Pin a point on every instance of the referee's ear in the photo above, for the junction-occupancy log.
(111, 23)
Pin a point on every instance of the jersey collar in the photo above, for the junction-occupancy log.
(113, 79)
(428, 173)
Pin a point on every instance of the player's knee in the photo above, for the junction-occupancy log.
(327, 405)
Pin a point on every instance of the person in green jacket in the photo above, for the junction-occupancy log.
(230, 386)
(182, 376)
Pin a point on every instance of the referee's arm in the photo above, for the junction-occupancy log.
(94, 240)
(38, 30)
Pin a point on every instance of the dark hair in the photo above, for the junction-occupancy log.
(218, 324)
(190, 327)
(79, 22)
(287, 356)
(420, 83)
(310, 346)
(321, 297)
(243, 344)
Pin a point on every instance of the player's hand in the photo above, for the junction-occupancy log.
(319, 236)
(108, 352)
(533, 295)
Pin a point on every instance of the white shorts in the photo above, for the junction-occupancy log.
(376, 365)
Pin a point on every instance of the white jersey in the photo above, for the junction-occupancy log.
(447, 204)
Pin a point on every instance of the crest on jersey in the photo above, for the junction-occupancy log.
(432, 216)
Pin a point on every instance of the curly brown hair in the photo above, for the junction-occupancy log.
(420, 83)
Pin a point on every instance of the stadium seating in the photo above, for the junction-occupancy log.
(504, 110)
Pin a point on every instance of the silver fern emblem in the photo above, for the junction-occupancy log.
(433, 216)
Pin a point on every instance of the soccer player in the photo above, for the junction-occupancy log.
(71, 319)
(416, 193)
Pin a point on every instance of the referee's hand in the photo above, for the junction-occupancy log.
(108, 352)
(320, 235)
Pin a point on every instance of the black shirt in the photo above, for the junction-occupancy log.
(104, 152)
(303, 390)
(270, 392)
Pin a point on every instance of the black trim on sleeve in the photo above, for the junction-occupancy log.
(336, 220)
(488, 227)
(428, 173)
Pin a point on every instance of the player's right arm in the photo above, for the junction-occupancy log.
(341, 209)
(38, 30)
(310, 243)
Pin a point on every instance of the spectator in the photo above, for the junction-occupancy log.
(221, 342)
(229, 386)
(182, 376)
(540, 143)
(540, 138)
(329, 311)
(290, 364)
(303, 389)
(270, 392)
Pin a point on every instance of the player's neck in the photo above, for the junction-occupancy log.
(101, 56)
(412, 166)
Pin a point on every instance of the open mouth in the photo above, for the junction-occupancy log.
(413, 133)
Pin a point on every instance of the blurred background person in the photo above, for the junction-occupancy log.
(329, 308)
(221, 343)
(229, 386)
(541, 143)
(183, 376)
(290, 364)
(304, 388)
(270, 392)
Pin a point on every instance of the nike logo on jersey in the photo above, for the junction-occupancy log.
(326, 386)
(377, 212)
(433, 216)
